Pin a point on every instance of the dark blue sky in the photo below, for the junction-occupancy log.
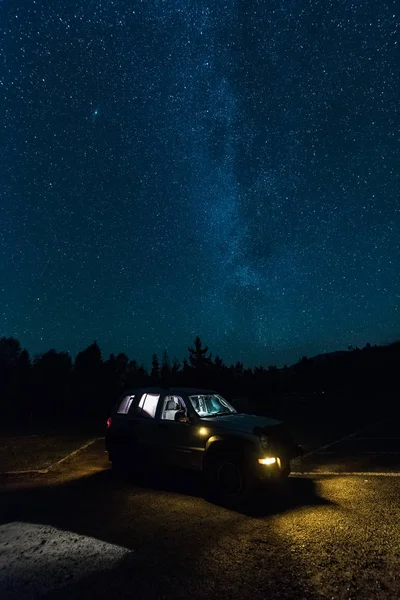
(181, 167)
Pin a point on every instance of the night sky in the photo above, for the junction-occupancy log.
(219, 168)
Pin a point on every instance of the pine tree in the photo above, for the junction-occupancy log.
(88, 360)
(198, 357)
(219, 363)
(175, 366)
(165, 367)
(155, 369)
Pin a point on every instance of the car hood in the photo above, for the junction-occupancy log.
(241, 422)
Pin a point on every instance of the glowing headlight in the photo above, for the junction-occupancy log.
(264, 440)
(267, 461)
(203, 431)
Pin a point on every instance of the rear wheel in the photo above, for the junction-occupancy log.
(126, 463)
(118, 463)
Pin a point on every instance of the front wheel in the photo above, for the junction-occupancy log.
(230, 479)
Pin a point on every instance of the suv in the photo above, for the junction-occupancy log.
(198, 429)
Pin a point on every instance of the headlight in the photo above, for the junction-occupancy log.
(264, 441)
(271, 460)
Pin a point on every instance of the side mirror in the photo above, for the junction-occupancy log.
(181, 417)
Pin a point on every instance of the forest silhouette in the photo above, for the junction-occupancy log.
(53, 390)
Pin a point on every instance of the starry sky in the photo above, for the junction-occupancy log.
(222, 168)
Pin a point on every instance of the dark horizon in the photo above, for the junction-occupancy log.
(146, 362)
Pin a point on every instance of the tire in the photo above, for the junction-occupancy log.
(230, 479)
(119, 464)
(123, 465)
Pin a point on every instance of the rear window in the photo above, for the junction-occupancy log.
(125, 405)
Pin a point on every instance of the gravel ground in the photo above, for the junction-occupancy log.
(36, 452)
(36, 559)
(320, 537)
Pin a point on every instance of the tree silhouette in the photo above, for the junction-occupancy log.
(24, 388)
(142, 375)
(88, 383)
(218, 363)
(88, 360)
(121, 368)
(237, 370)
(10, 349)
(175, 370)
(10, 352)
(24, 363)
(198, 357)
(51, 379)
(155, 369)
(165, 371)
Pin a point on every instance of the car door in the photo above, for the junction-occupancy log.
(143, 431)
(181, 443)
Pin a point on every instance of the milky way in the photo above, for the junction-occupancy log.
(178, 168)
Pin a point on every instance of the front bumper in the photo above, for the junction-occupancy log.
(276, 465)
(276, 470)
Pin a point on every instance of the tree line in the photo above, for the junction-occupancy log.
(52, 389)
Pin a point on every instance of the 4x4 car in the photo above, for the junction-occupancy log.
(198, 429)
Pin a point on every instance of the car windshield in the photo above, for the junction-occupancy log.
(211, 405)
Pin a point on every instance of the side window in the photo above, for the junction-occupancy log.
(147, 406)
(125, 405)
(172, 404)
